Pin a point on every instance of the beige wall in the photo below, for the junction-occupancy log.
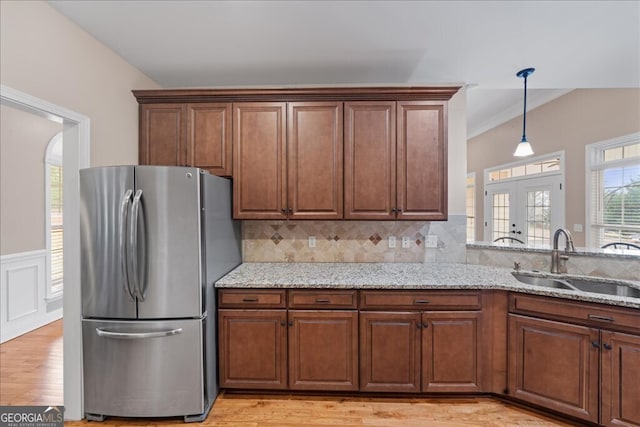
(457, 153)
(23, 143)
(570, 122)
(46, 55)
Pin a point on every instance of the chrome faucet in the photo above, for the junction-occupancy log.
(559, 262)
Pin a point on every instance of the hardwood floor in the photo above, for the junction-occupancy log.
(31, 368)
(31, 374)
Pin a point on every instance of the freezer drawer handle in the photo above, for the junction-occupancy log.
(122, 241)
(137, 335)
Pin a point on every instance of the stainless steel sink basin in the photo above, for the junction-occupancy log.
(541, 281)
(598, 286)
(602, 287)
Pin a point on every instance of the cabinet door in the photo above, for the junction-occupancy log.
(314, 160)
(620, 376)
(323, 350)
(390, 351)
(163, 134)
(259, 160)
(451, 352)
(422, 160)
(209, 137)
(370, 160)
(555, 365)
(252, 349)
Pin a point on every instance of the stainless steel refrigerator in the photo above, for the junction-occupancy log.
(154, 240)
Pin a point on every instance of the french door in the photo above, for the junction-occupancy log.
(524, 211)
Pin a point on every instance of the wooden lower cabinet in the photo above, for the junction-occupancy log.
(554, 365)
(390, 351)
(323, 350)
(620, 379)
(413, 352)
(451, 352)
(253, 349)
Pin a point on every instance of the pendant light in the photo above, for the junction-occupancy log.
(524, 148)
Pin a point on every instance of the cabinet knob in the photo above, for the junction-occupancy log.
(608, 346)
(283, 323)
(284, 210)
(425, 325)
(595, 344)
(290, 323)
(290, 210)
(419, 325)
(394, 210)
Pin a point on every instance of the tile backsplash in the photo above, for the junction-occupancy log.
(354, 241)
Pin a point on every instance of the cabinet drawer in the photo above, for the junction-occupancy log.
(420, 300)
(251, 298)
(323, 299)
(584, 313)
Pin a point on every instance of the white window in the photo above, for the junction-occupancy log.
(471, 207)
(613, 192)
(54, 223)
(524, 201)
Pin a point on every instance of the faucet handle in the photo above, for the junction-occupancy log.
(516, 266)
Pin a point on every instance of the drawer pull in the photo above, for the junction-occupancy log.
(322, 301)
(249, 299)
(421, 301)
(602, 318)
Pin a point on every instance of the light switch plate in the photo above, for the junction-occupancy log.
(392, 242)
(312, 241)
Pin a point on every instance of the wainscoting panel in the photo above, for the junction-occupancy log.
(23, 305)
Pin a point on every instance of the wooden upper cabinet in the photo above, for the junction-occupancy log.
(422, 160)
(197, 135)
(314, 160)
(209, 137)
(370, 160)
(259, 160)
(162, 134)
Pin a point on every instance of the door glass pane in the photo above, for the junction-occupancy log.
(539, 217)
(500, 207)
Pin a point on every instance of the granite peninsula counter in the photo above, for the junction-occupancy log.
(401, 276)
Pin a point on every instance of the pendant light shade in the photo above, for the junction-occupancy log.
(524, 148)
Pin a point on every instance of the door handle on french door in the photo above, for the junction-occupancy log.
(133, 245)
(122, 241)
(137, 335)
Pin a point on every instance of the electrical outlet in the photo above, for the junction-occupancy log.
(432, 241)
(392, 242)
(312, 241)
(405, 241)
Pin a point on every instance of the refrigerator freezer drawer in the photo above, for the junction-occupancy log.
(143, 368)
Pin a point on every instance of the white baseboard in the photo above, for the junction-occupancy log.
(23, 303)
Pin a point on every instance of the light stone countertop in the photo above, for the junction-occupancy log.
(399, 276)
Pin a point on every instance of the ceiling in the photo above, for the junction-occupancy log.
(481, 44)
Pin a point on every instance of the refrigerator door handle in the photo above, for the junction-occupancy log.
(134, 271)
(122, 241)
(137, 335)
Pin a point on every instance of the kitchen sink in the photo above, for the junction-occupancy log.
(602, 287)
(598, 286)
(542, 281)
